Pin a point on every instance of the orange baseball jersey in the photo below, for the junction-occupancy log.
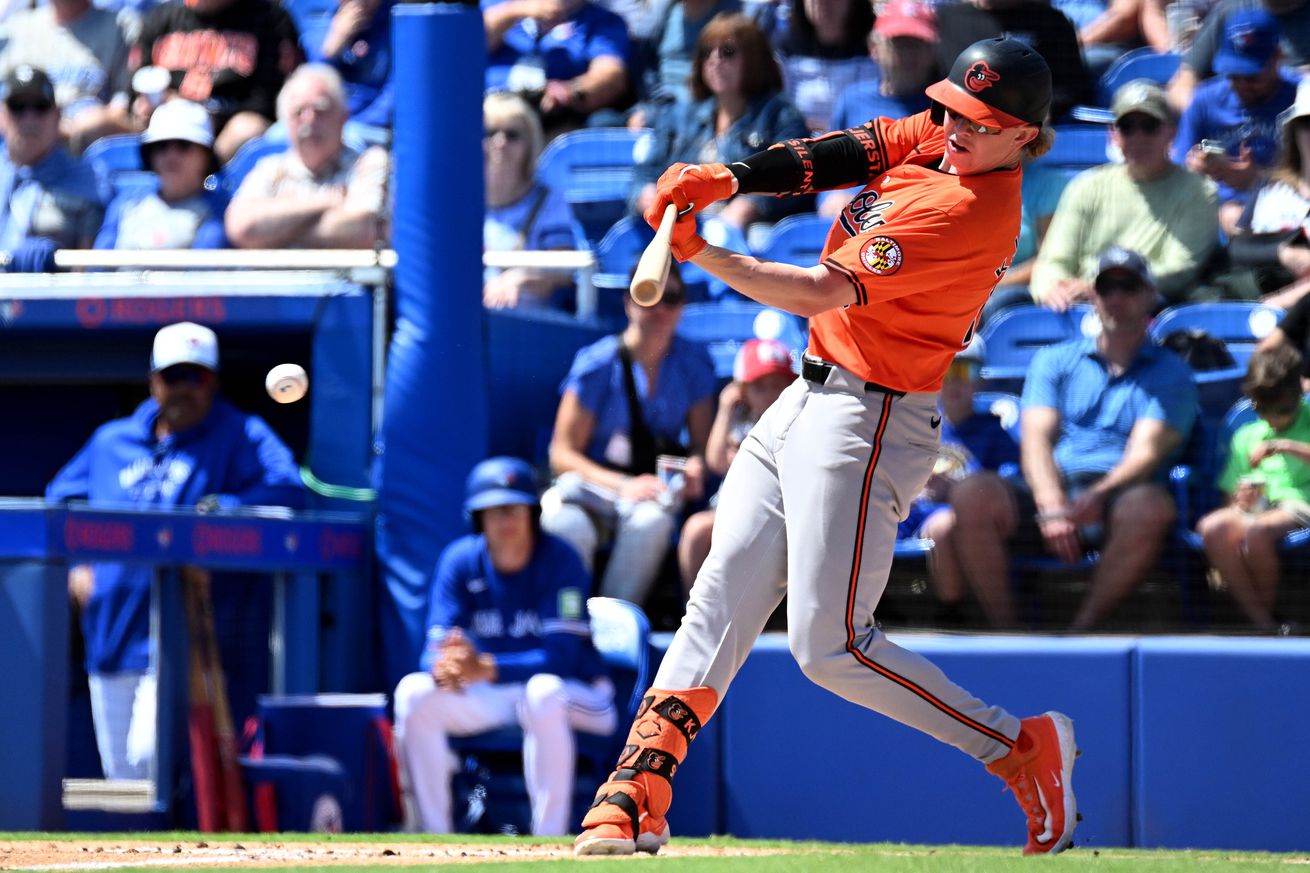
(923, 250)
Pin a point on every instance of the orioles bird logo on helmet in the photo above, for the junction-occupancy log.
(980, 77)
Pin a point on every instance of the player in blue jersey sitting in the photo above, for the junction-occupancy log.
(508, 643)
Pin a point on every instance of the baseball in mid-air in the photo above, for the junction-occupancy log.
(287, 383)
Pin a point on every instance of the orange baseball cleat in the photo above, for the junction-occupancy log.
(1039, 770)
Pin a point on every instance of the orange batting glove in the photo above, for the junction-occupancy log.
(690, 185)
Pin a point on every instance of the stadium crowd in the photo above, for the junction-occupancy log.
(211, 124)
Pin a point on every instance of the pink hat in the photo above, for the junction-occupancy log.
(907, 18)
(759, 358)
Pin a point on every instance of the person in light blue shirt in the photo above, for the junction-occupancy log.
(48, 198)
(1102, 420)
(508, 644)
(626, 401)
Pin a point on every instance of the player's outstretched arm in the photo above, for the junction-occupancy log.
(804, 291)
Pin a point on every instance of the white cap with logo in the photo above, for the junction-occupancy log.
(184, 343)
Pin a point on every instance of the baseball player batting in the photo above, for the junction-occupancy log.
(811, 502)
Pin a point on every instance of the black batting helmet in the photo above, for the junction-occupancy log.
(999, 82)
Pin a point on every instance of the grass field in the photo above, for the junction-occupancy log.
(373, 852)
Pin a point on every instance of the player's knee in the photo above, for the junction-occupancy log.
(819, 664)
(543, 698)
(418, 701)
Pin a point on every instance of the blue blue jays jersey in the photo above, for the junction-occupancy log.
(533, 621)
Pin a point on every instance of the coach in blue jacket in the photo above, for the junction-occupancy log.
(182, 447)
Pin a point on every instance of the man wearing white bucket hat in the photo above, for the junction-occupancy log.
(179, 213)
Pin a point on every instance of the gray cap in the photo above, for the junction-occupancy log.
(1127, 260)
(1141, 95)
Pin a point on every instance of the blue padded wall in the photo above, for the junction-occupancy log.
(801, 763)
(435, 427)
(1221, 738)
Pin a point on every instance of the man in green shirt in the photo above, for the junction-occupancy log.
(1147, 204)
(1267, 479)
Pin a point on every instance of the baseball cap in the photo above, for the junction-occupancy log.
(30, 82)
(1120, 258)
(180, 119)
(500, 481)
(1141, 95)
(1250, 40)
(184, 343)
(758, 358)
(907, 18)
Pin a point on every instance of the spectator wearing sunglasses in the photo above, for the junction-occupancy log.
(626, 400)
(1147, 204)
(1102, 418)
(522, 214)
(1230, 131)
(180, 213)
(48, 197)
(182, 447)
(737, 108)
(1267, 483)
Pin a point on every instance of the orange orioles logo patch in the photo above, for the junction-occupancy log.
(882, 256)
(980, 77)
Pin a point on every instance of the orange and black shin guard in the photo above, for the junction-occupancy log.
(665, 725)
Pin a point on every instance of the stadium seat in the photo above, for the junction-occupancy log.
(725, 327)
(1013, 336)
(620, 632)
(592, 168)
(232, 174)
(1141, 63)
(1241, 324)
(112, 156)
(797, 239)
(1077, 147)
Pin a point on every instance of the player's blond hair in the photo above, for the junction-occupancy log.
(1041, 144)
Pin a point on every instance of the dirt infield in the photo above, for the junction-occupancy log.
(111, 854)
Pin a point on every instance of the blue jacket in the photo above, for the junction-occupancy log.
(684, 131)
(533, 621)
(365, 67)
(231, 454)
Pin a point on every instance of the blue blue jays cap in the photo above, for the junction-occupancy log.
(500, 481)
(1250, 40)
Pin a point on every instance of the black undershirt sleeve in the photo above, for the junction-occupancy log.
(802, 166)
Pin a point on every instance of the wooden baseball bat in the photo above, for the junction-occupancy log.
(653, 269)
(235, 816)
(200, 721)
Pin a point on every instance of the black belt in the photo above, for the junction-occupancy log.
(813, 370)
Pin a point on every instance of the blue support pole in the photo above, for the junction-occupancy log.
(435, 422)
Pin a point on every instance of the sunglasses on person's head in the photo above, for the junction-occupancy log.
(1144, 124)
(962, 370)
(968, 123)
(39, 107)
(726, 51)
(188, 374)
(511, 134)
